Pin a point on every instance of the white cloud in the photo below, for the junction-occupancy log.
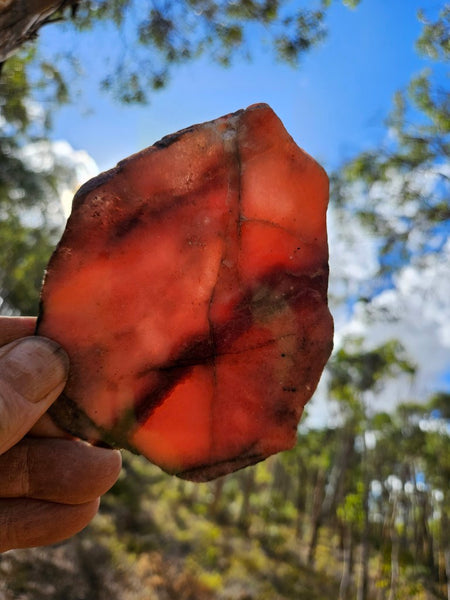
(74, 167)
(83, 168)
(415, 310)
(353, 258)
(417, 313)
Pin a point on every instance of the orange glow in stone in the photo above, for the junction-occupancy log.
(179, 430)
(265, 245)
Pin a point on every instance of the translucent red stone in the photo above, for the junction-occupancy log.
(190, 292)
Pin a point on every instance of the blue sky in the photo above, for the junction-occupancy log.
(333, 105)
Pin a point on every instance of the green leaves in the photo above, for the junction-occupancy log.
(30, 211)
(362, 370)
(29, 219)
(301, 32)
(15, 90)
(351, 510)
(435, 40)
(146, 41)
(403, 187)
(24, 253)
(399, 190)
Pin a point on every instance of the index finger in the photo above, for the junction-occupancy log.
(13, 328)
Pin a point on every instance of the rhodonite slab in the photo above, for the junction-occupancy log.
(190, 291)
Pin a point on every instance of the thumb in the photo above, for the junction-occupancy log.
(33, 372)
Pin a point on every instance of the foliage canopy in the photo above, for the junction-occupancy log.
(403, 186)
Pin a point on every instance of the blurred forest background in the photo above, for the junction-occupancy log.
(360, 508)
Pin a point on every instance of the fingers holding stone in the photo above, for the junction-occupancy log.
(58, 470)
(49, 488)
(25, 523)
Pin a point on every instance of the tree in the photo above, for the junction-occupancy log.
(168, 32)
(31, 180)
(355, 372)
(21, 20)
(400, 191)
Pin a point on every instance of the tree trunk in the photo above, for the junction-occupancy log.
(20, 21)
(302, 484)
(395, 569)
(334, 488)
(426, 541)
(363, 585)
(248, 484)
(347, 573)
(217, 486)
(333, 491)
(316, 516)
(445, 531)
(447, 569)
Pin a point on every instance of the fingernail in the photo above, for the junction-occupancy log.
(34, 367)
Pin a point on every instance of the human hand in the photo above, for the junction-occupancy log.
(49, 486)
